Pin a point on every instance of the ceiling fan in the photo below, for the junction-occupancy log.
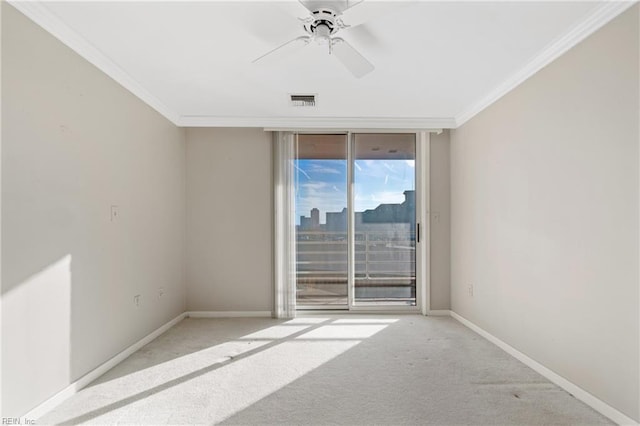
(321, 26)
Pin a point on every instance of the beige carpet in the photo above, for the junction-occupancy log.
(351, 370)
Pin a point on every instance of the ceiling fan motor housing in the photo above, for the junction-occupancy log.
(323, 24)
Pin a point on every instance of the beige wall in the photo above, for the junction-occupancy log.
(544, 216)
(229, 220)
(440, 251)
(74, 143)
(229, 193)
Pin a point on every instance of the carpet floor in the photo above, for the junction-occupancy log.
(353, 370)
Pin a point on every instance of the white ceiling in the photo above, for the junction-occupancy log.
(437, 63)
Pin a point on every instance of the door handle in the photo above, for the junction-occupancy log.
(417, 232)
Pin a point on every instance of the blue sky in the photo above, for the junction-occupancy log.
(323, 184)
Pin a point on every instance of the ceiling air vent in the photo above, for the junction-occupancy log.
(303, 100)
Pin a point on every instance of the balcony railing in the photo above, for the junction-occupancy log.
(384, 266)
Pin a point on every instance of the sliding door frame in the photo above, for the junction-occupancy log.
(422, 261)
(422, 220)
(351, 227)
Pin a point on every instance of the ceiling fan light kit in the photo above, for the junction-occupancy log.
(321, 26)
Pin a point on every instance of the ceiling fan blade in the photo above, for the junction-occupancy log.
(285, 47)
(351, 58)
(274, 23)
(351, 3)
(365, 36)
(338, 6)
(371, 11)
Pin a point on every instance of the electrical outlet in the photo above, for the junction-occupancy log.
(436, 217)
(136, 300)
(160, 292)
(470, 289)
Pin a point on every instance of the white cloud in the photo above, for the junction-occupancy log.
(387, 197)
(316, 168)
(314, 186)
(324, 196)
(376, 198)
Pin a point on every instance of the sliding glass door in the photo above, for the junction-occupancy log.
(384, 219)
(322, 252)
(355, 226)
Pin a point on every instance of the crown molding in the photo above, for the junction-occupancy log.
(317, 122)
(38, 12)
(593, 22)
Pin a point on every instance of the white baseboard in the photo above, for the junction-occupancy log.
(584, 396)
(229, 314)
(595, 403)
(76, 386)
(439, 312)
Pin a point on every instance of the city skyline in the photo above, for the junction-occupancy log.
(389, 213)
(322, 184)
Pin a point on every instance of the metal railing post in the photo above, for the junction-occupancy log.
(366, 255)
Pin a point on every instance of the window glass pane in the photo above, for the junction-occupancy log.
(385, 218)
(321, 220)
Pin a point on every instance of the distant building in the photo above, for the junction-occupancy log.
(393, 213)
(315, 218)
(305, 223)
(310, 223)
(390, 217)
(337, 221)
